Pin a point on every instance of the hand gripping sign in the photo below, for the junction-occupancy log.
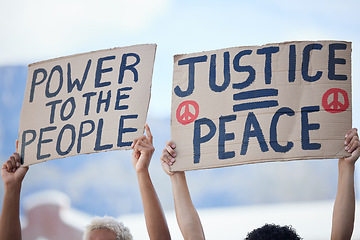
(277, 102)
(85, 103)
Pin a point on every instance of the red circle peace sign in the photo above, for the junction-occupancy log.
(335, 106)
(187, 116)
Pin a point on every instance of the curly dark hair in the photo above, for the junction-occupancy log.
(273, 232)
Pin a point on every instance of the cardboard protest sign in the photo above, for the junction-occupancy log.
(85, 103)
(277, 102)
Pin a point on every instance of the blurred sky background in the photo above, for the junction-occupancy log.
(36, 30)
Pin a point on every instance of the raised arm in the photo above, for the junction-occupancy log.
(154, 216)
(12, 174)
(186, 214)
(344, 207)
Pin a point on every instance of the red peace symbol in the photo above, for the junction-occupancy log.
(335, 106)
(186, 116)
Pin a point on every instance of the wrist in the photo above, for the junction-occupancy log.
(142, 172)
(177, 176)
(344, 162)
(141, 168)
(12, 188)
(346, 166)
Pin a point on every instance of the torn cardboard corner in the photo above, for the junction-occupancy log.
(277, 102)
(89, 102)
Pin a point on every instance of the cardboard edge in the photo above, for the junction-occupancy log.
(179, 56)
(85, 53)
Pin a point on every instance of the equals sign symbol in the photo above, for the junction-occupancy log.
(270, 92)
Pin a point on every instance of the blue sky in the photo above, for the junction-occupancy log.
(35, 30)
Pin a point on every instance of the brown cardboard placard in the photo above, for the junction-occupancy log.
(276, 102)
(84, 103)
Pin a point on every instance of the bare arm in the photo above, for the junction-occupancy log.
(344, 207)
(186, 214)
(12, 175)
(154, 216)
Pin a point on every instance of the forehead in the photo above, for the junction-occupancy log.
(101, 234)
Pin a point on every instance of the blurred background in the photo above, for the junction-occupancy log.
(231, 201)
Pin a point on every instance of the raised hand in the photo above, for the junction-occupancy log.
(12, 172)
(352, 145)
(143, 150)
(168, 157)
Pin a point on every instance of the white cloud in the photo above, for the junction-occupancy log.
(333, 9)
(69, 14)
(53, 27)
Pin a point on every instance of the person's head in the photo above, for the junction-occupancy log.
(106, 228)
(273, 232)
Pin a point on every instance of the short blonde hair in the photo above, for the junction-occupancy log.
(106, 222)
